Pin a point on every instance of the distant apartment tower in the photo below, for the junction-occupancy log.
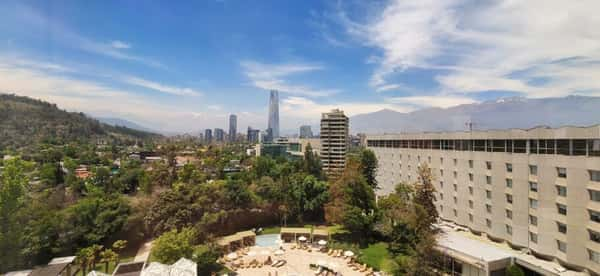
(219, 135)
(305, 132)
(334, 141)
(252, 135)
(208, 136)
(274, 114)
(524, 187)
(232, 128)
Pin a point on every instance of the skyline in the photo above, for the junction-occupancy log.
(186, 68)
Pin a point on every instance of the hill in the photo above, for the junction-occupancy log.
(124, 123)
(503, 113)
(25, 121)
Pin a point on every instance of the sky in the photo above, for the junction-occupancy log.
(184, 67)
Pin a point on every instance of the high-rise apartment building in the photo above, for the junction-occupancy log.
(305, 132)
(208, 136)
(334, 141)
(253, 135)
(274, 114)
(232, 128)
(219, 135)
(537, 190)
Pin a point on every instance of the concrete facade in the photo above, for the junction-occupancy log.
(334, 141)
(536, 189)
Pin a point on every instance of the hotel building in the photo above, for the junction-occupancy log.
(334, 141)
(536, 190)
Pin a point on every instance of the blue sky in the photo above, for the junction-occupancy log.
(183, 67)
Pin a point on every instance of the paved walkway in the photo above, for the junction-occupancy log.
(143, 252)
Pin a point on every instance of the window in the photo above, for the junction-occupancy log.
(533, 220)
(561, 208)
(594, 256)
(488, 179)
(509, 214)
(509, 167)
(561, 190)
(488, 208)
(471, 164)
(455, 161)
(594, 216)
(533, 237)
(562, 228)
(594, 147)
(509, 183)
(561, 245)
(508, 229)
(441, 172)
(419, 158)
(533, 204)
(441, 208)
(455, 200)
(594, 236)
(488, 194)
(455, 212)
(471, 177)
(561, 172)
(471, 190)
(429, 159)
(533, 186)
(594, 176)
(442, 184)
(455, 187)
(594, 195)
(455, 175)
(533, 169)
(471, 204)
(441, 160)
(488, 165)
(488, 223)
(441, 196)
(471, 217)
(509, 198)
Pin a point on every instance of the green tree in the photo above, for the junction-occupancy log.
(312, 163)
(424, 196)
(368, 166)
(51, 174)
(12, 195)
(307, 196)
(237, 193)
(173, 245)
(107, 256)
(118, 247)
(206, 257)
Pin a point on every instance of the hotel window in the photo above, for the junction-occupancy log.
(509, 167)
(594, 236)
(533, 186)
(471, 204)
(509, 198)
(561, 172)
(441, 184)
(488, 165)
(419, 158)
(533, 169)
(562, 246)
(594, 256)
(594, 176)
(594, 147)
(594, 216)
(455, 187)
(441, 196)
(471, 177)
(509, 214)
(488, 194)
(455, 212)
(488, 223)
(561, 190)
(471, 164)
(509, 183)
(471, 190)
(561, 208)
(533, 237)
(562, 228)
(488, 208)
(441, 208)
(533, 220)
(471, 217)
(533, 204)
(488, 179)
(455, 161)
(455, 200)
(441, 160)
(455, 175)
(441, 172)
(508, 229)
(594, 195)
(409, 157)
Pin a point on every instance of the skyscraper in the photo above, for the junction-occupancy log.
(219, 135)
(274, 113)
(208, 136)
(334, 141)
(305, 132)
(232, 128)
(252, 135)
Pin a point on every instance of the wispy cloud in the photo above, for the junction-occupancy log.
(273, 77)
(179, 91)
(301, 107)
(443, 101)
(120, 44)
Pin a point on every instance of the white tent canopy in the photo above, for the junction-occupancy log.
(322, 242)
(348, 253)
(302, 238)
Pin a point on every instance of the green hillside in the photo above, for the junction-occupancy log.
(25, 121)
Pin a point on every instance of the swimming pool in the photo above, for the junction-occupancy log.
(267, 240)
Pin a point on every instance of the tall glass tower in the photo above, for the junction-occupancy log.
(232, 128)
(274, 113)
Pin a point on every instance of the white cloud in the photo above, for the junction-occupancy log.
(431, 101)
(301, 107)
(179, 91)
(489, 45)
(272, 77)
(120, 44)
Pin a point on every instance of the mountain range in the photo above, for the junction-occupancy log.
(504, 113)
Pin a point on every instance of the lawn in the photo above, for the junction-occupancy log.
(377, 255)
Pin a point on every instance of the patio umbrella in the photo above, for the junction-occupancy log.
(348, 253)
(302, 238)
(278, 252)
(322, 242)
(232, 256)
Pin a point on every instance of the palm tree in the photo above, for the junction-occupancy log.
(118, 247)
(107, 256)
(82, 259)
(95, 251)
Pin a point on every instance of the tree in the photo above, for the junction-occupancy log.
(206, 257)
(307, 196)
(173, 245)
(368, 166)
(51, 174)
(118, 247)
(312, 163)
(424, 196)
(12, 194)
(107, 256)
(237, 193)
(83, 259)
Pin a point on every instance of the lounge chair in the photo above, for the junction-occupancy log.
(364, 268)
(329, 252)
(281, 263)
